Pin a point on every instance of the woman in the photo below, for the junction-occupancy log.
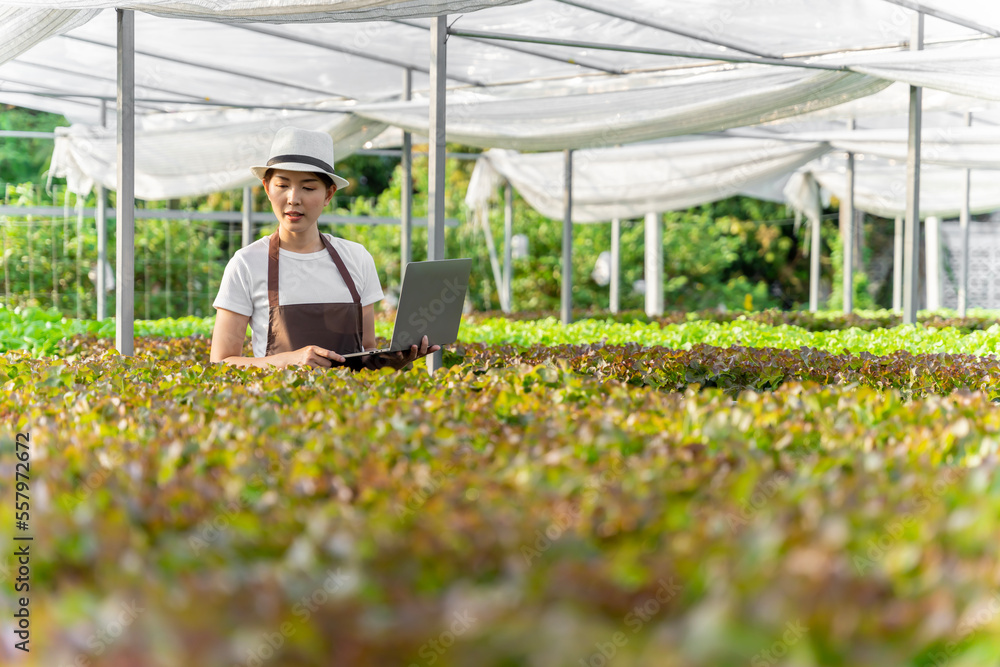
(308, 297)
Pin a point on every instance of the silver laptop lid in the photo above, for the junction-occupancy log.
(430, 302)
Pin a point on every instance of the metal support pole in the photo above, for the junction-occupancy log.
(125, 218)
(814, 267)
(79, 257)
(102, 236)
(654, 264)
(406, 188)
(911, 242)
(963, 222)
(897, 265)
(616, 259)
(508, 234)
(847, 230)
(932, 253)
(436, 152)
(566, 310)
(247, 217)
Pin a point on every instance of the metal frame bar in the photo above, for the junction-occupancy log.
(599, 46)
(921, 8)
(96, 77)
(508, 234)
(125, 212)
(101, 221)
(215, 68)
(847, 221)
(546, 56)
(406, 189)
(566, 305)
(897, 264)
(208, 216)
(911, 235)
(436, 148)
(963, 225)
(246, 214)
(665, 28)
(273, 32)
(654, 264)
(816, 247)
(614, 298)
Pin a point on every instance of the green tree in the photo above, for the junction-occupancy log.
(26, 160)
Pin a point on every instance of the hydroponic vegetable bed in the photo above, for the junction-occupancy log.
(566, 497)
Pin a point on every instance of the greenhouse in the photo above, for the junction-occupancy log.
(724, 389)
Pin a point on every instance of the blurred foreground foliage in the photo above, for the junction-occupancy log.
(508, 510)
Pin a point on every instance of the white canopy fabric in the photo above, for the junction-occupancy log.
(969, 68)
(880, 187)
(175, 160)
(670, 106)
(525, 96)
(630, 181)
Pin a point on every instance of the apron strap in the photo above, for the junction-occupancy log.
(272, 270)
(342, 268)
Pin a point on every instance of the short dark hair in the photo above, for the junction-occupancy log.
(327, 181)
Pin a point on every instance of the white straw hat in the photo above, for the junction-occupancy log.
(294, 149)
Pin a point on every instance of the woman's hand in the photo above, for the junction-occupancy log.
(398, 360)
(310, 355)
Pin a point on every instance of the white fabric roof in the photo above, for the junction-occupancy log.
(191, 76)
(630, 181)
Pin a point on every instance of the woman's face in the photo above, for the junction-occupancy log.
(297, 198)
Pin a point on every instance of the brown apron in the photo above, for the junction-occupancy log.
(332, 326)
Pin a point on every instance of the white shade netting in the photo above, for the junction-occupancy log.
(880, 187)
(630, 181)
(27, 22)
(682, 105)
(174, 158)
(969, 68)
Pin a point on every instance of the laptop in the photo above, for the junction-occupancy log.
(430, 304)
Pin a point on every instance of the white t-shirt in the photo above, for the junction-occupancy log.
(302, 278)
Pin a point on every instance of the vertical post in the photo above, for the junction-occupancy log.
(932, 241)
(847, 229)
(166, 280)
(815, 243)
(911, 242)
(436, 149)
(101, 216)
(963, 222)
(79, 257)
(247, 216)
(566, 310)
(406, 188)
(125, 218)
(508, 234)
(616, 258)
(897, 265)
(654, 264)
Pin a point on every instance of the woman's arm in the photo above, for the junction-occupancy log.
(231, 331)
